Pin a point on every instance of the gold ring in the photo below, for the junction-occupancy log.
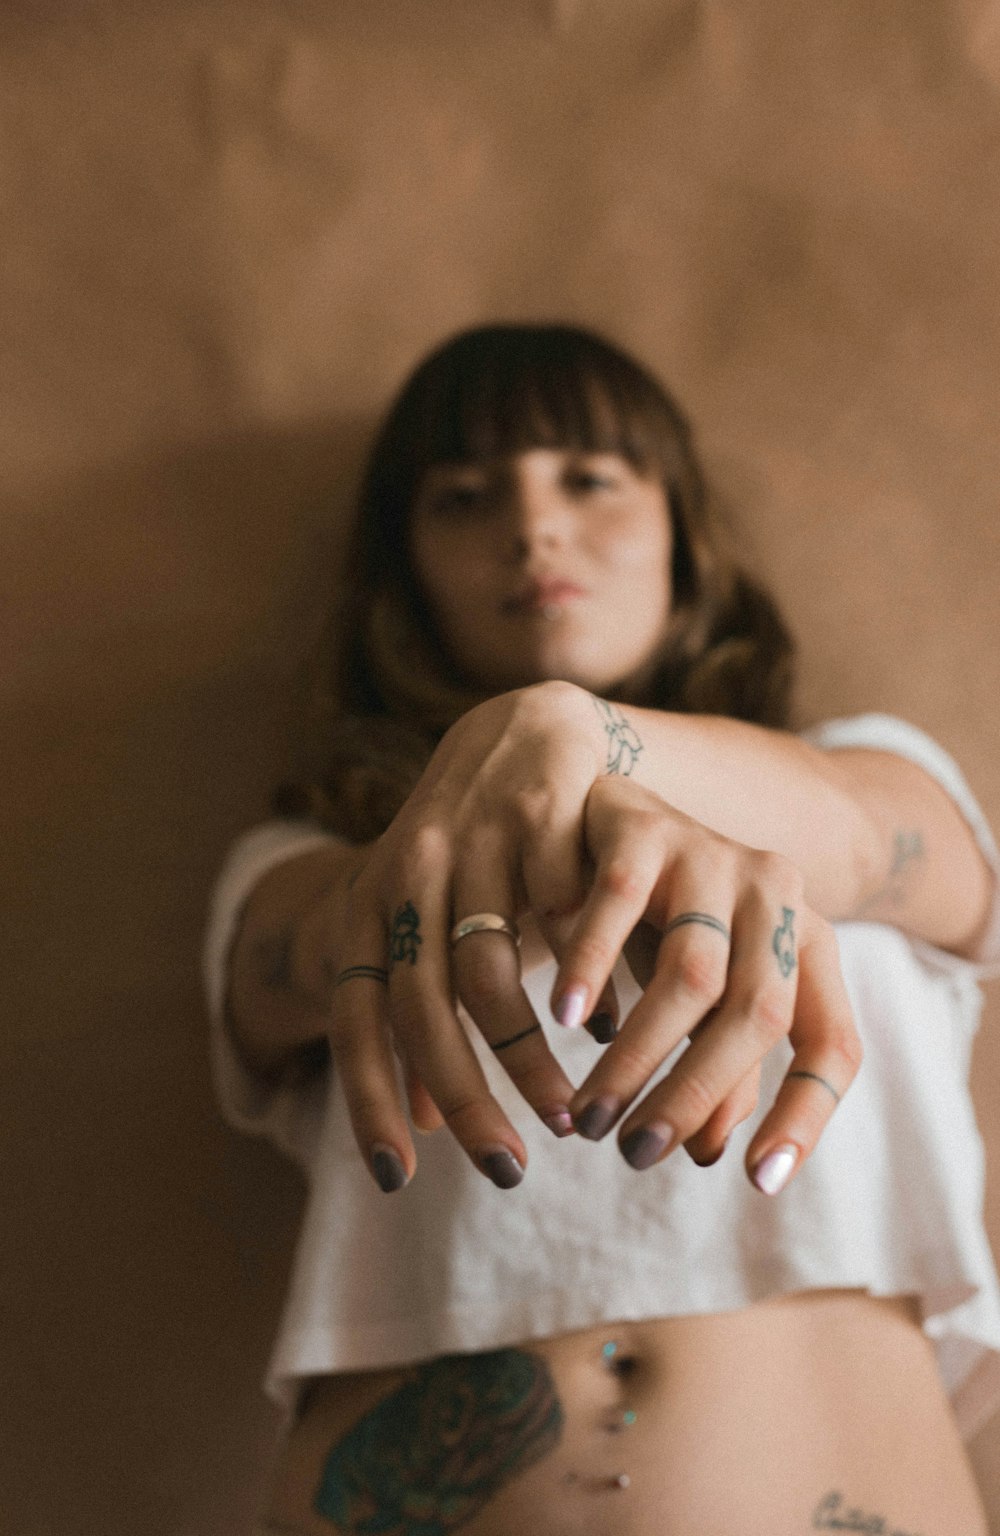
(484, 922)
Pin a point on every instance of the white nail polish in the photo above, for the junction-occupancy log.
(772, 1172)
(570, 1011)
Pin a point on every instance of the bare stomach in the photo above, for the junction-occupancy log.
(816, 1411)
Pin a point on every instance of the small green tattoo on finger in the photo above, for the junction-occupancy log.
(783, 942)
(406, 938)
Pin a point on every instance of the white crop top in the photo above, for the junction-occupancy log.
(890, 1201)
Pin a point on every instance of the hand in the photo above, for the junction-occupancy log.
(738, 962)
(495, 825)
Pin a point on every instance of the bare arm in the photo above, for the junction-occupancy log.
(279, 981)
(874, 835)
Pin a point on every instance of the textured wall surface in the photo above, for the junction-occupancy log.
(228, 232)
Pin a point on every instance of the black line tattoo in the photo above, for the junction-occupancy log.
(406, 938)
(624, 745)
(430, 1455)
(783, 942)
(831, 1515)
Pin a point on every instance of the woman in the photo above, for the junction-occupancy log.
(556, 734)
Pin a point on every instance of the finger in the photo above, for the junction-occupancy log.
(828, 1055)
(487, 978)
(424, 1019)
(361, 1048)
(424, 1112)
(689, 981)
(624, 878)
(756, 1012)
(602, 1023)
(706, 1146)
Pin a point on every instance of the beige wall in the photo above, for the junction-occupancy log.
(227, 232)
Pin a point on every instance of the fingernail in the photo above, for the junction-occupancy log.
(559, 1122)
(602, 1027)
(597, 1118)
(503, 1168)
(772, 1172)
(710, 1162)
(387, 1168)
(644, 1147)
(570, 1008)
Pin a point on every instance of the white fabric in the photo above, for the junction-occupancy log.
(890, 1201)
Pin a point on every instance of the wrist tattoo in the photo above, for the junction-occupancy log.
(832, 1515)
(406, 938)
(908, 853)
(624, 744)
(783, 942)
(429, 1456)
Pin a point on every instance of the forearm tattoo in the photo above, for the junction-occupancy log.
(624, 745)
(783, 942)
(833, 1515)
(433, 1453)
(908, 855)
(406, 938)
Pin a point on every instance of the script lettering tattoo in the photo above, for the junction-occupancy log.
(624, 745)
(783, 942)
(832, 1516)
(433, 1453)
(406, 938)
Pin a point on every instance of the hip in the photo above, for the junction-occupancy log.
(816, 1410)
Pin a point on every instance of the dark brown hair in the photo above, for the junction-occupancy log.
(385, 692)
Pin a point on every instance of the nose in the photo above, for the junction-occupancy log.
(537, 516)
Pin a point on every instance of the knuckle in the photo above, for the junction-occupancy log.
(701, 971)
(848, 1050)
(620, 878)
(427, 851)
(481, 983)
(770, 1013)
(634, 1062)
(775, 870)
(693, 1101)
(592, 954)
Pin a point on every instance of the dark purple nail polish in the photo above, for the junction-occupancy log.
(596, 1119)
(602, 1027)
(387, 1168)
(503, 1168)
(642, 1148)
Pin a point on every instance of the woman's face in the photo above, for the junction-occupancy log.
(553, 563)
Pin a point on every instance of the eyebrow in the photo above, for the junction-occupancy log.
(435, 1451)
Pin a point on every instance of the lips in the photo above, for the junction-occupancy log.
(537, 596)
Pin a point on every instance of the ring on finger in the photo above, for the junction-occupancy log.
(704, 918)
(484, 922)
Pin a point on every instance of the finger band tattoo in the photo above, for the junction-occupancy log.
(698, 917)
(783, 942)
(624, 745)
(815, 1078)
(406, 938)
(523, 1034)
(369, 972)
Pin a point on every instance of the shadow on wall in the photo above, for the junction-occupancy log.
(158, 614)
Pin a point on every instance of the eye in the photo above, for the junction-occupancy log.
(459, 497)
(587, 480)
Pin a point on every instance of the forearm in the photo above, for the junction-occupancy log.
(279, 981)
(875, 837)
